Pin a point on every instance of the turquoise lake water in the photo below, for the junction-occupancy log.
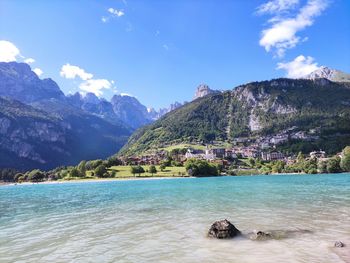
(167, 220)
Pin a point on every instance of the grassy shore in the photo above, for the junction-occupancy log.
(125, 172)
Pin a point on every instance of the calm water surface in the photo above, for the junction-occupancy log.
(167, 220)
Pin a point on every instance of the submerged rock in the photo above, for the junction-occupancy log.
(277, 234)
(339, 244)
(223, 229)
(260, 235)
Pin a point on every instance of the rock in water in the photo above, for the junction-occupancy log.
(260, 235)
(339, 244)
(223, 229)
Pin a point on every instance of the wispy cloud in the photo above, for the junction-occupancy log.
(284, 26)
(115, 12)
(299, 67)
(111, 13)
(166, 47)
(277, 6)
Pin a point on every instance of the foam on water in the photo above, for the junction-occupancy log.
(167, 220)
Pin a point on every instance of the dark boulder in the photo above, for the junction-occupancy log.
(339, 244)
(223, 229)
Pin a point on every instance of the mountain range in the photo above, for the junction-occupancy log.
(40, 127)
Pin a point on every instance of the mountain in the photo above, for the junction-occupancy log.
(155, 115)
(50, 134)
(18, 81)
(41, 128)
(100, 107)
(254, 112)
(330, 74)
(203, 90)
(129, 110)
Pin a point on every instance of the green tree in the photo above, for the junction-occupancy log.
(162, 167)
(251, 162)
(140, 170)
(152, 169)
(82, 168)
(322, 166)
(36, 176)
(74, 172)
(133, 170)
(333, 165)
(200, 168)
(18, 177)
(100, 171)
(345, 161)
(278, 166)
(113, 174)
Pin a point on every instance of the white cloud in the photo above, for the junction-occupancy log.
(104, 19)
(299, 67)
(95, 86)
(115, 12)
(275, 6)
(71, 72)
(38, 71)
(8, 51)
(282, 34)
(29, 60)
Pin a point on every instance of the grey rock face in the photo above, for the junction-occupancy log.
(203, 90)
(129, 110)
(329, 74)
(19, 82)
(223, 229)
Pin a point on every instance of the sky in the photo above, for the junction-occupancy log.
(160, 51)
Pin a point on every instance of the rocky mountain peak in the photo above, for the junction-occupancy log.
(322, 72)
(19, 82)
(203, 90)
(328, 73)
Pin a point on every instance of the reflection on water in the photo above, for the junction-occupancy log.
(167, 220)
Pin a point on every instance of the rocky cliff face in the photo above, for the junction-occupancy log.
(129, 110)
(203, 90)
(18, 81)
(330, 74)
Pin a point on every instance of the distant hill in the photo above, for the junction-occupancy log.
(254, 110)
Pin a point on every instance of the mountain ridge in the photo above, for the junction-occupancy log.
(252, 110)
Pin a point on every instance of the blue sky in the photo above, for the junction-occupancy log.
(160, 51)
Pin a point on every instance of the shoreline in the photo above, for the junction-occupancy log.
(100, 180)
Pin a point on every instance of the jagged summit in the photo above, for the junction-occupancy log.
(203, 90)
(330, 74)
